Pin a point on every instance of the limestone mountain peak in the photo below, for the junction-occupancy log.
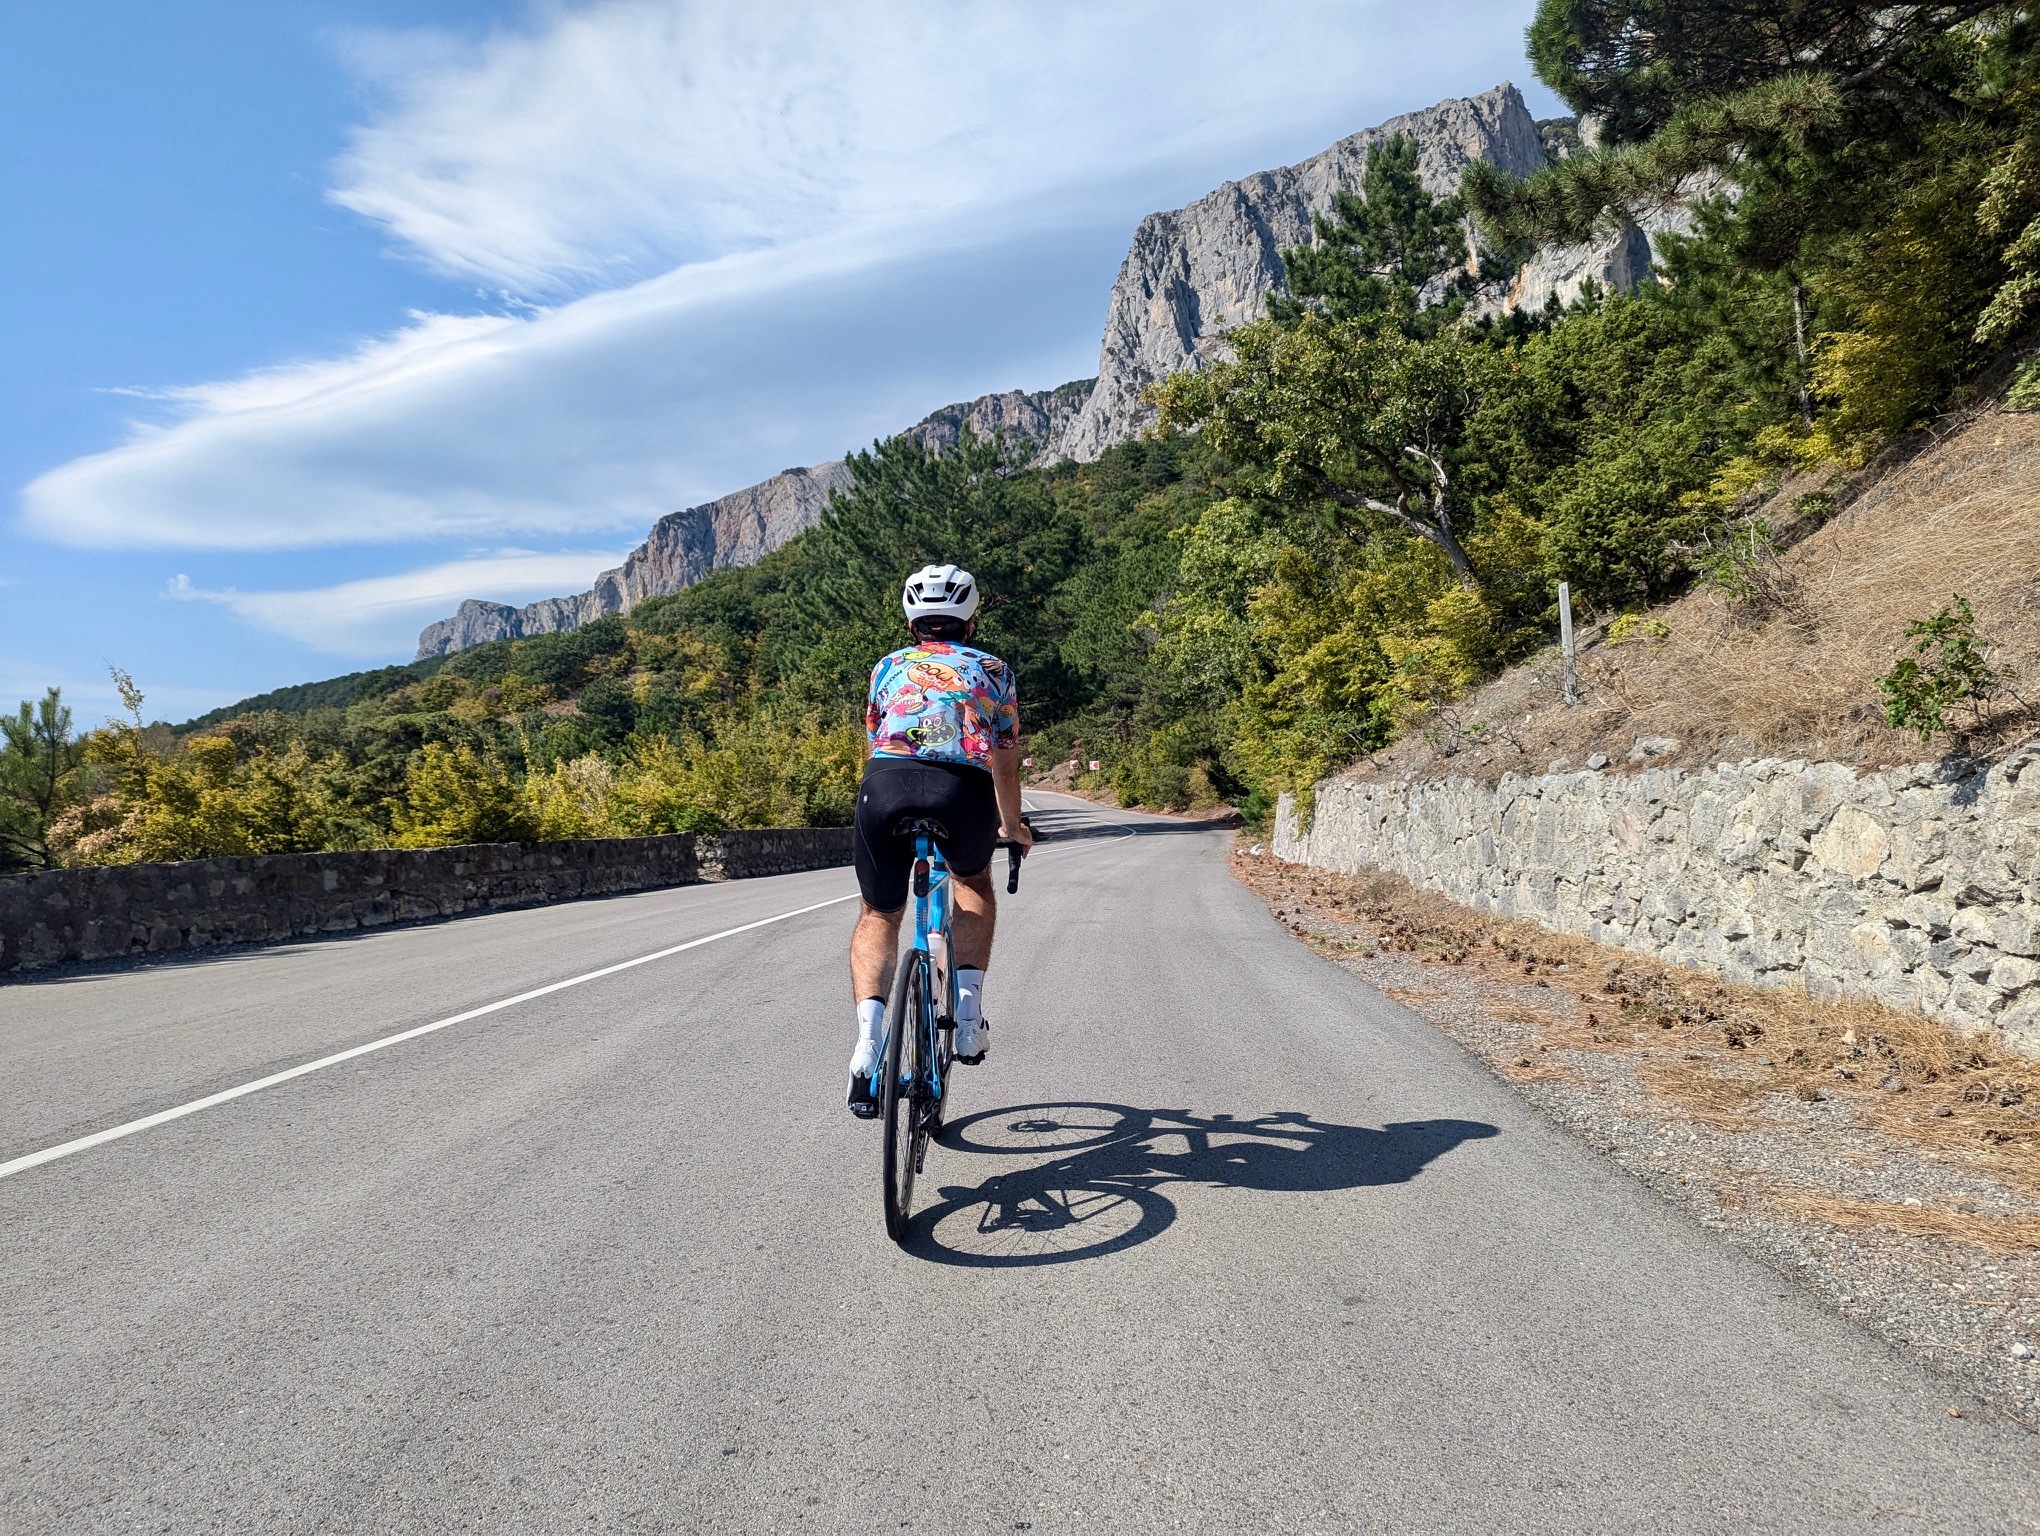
(1190, 275)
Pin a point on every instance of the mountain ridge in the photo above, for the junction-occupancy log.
(1191, 274)
(741, 527)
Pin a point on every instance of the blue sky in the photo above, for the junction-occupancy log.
(319, 315)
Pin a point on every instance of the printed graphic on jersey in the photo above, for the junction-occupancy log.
(941, 703)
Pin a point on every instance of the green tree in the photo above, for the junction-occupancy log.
(908, 505)
(214, 793)
(38, 778)
(1870, 211)
(461, 794)
(1374, 259)
(1683, 87)
(1339, 422)
(1596, 430)
(1635, 64)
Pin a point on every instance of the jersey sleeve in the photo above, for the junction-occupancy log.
(1005, 707)
(874, 713)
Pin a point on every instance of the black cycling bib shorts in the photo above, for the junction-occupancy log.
(959, 795)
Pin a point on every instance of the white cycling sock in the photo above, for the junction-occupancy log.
(970, 995)
(870, 1021)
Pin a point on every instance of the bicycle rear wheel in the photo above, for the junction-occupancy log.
(945, 1062)
(904, 1089)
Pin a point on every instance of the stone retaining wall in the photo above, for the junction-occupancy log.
(136, 909)
(1917, 887)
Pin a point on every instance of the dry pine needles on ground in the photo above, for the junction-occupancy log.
(1708, 1050)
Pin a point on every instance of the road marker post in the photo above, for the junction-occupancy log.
(1565, 644)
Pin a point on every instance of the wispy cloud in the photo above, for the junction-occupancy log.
(428, 343)
(758, 235)
(594, 417)
(621, 139)
(378, 614)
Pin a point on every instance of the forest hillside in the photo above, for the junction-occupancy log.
(1793, 642)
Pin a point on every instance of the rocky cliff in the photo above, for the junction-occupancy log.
(1043, 419)
(1193, 274)
(739, 528)
(682, 548)
(1190, 276)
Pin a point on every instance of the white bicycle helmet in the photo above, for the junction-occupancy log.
(940, 592)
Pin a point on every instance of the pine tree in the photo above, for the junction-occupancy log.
(1680, 88)
(1373, 260)
(38, 773)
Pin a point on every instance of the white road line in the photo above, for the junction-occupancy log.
(165, 1116)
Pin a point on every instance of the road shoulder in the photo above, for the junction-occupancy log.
(1888, 1167)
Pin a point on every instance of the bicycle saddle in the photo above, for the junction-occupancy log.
(915, 826)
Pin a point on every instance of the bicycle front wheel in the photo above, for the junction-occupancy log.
(905, 1087)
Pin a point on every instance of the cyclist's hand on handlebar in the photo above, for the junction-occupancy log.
(1021, 837)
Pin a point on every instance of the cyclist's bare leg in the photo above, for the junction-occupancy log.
(977, 913)
(874, 950)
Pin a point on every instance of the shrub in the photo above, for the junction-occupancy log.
(461, 795)
(1638, 626)
(1739, 565)
(2024, 394)
(1949, 666)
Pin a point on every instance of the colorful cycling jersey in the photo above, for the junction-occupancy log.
(942, 703)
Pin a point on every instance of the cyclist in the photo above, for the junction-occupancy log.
(943, 722)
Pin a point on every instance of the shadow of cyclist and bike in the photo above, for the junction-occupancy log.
(1097, 1173)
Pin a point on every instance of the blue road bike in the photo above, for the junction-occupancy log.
(920, 1023)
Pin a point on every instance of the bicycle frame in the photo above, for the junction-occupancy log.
(915, 1097)
(932, 948)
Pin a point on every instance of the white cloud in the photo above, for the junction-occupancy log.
(804, 226)
(429, 342)
(617, 140)
(597, 416)
(379, 614)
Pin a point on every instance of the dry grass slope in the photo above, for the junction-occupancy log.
(1795, 676)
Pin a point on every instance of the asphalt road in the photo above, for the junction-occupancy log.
(1228, 1242)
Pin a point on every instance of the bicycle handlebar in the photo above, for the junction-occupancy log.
(1012, 859)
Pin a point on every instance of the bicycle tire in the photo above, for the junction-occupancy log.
(903, 1091)
(945, 1060)
(1026, 1130)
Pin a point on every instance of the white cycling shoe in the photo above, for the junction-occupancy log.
(973, 1039)
(862, 1094)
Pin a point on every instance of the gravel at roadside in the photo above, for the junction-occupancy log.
(1899, 1183)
